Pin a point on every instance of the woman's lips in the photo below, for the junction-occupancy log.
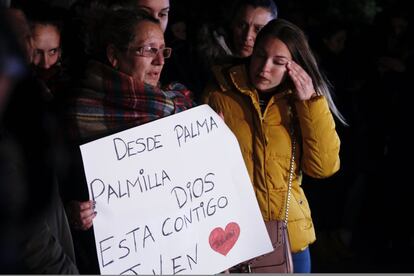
(154, 74)
(247, 48)
(261, 78)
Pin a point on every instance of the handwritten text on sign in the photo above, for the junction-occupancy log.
(173, 197)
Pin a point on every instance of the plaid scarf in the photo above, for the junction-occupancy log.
(109, 101)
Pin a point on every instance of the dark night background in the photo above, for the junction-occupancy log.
(362, 214)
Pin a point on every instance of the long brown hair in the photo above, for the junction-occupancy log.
(298, 45)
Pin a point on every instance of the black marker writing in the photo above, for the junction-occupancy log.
(194, 189)
(197, 128)
(125, 188)
(194, 214)
(131, 148)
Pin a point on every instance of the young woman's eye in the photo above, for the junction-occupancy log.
(279, 61)
(162, 15)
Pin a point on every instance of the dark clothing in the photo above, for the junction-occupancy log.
(213, 49)
(48, 247)
(110, 101)
(28, 170)
(105, 102)
(182, 67)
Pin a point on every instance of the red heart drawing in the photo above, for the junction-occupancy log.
(223, 241)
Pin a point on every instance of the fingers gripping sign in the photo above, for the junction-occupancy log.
(81, 214)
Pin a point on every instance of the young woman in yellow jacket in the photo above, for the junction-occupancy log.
(274, 100)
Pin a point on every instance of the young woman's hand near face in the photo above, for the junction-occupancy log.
(302, 82)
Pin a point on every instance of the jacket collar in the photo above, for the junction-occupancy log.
(239, 77)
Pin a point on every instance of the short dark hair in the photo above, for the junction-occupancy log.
(116, 28)
(269, 5)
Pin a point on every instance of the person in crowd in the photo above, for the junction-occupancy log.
(77, 38)
(47, 64)
(12, 187)
(182, 66)
(120, 89)
(12, 60)
(36, 222)
(46, 45)
(19, 24)
(279, 106)
(234, 38)
(158, 9)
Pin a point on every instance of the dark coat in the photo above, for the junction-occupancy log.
(31, 212)
(47, 243)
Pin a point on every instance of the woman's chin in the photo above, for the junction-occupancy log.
(152, 82)
(261, 87)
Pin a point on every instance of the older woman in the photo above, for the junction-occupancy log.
(120, 90)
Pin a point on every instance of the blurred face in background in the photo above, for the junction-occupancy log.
(145, 56)
(179, 30)
(158, 9)
(20, 26)
(46, 46)
(336, 42)
(246, 24)
(268, 64)
(398, 25)
(5, 87)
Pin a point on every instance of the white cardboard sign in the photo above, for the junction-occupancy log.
(173, 197)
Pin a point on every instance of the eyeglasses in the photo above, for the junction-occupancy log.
(148, 51)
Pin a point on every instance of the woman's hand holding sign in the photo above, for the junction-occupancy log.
(81, 214)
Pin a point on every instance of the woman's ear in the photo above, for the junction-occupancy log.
(111, 54)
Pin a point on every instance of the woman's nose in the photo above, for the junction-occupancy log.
(159, 59)
(249, 34)
(266, 65)
(45, 62)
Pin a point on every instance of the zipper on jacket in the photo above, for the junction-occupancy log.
(264, 141)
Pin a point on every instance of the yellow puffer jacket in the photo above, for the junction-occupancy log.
(266, 146)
